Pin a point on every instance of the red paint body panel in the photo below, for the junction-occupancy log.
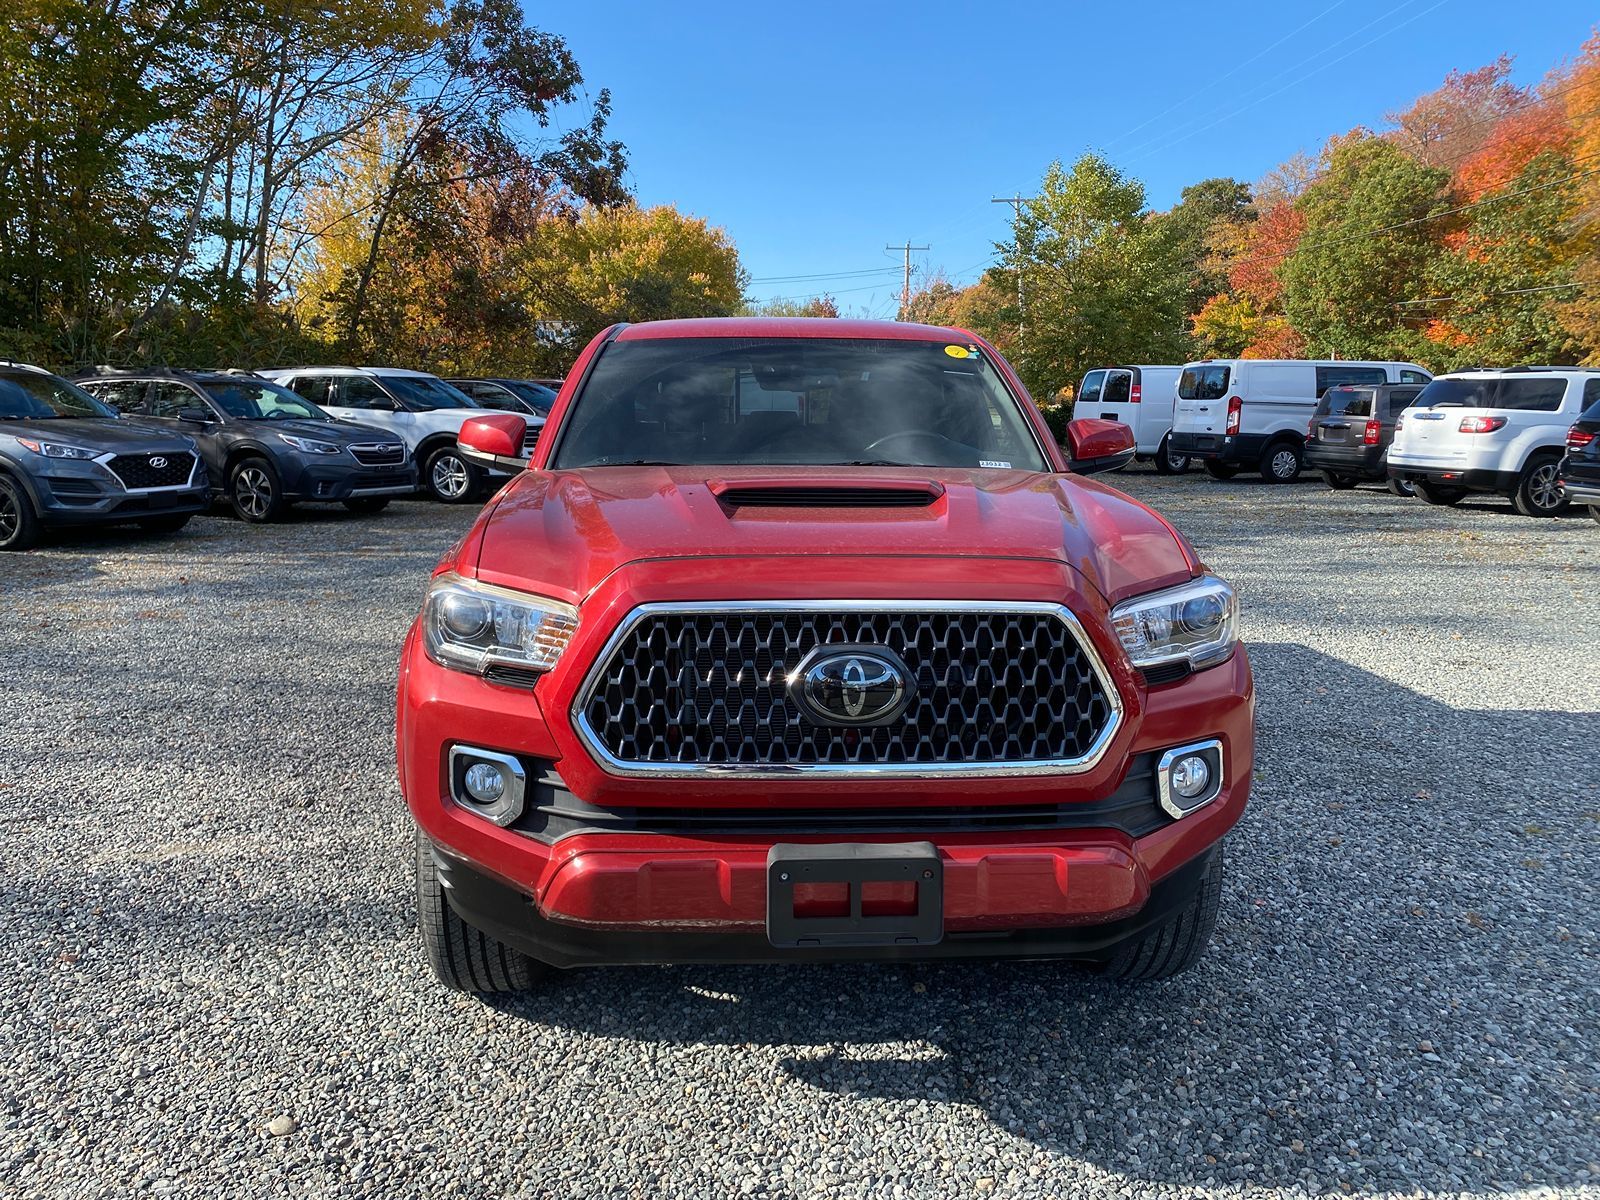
(610, 539)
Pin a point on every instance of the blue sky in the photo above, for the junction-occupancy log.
(817, 134)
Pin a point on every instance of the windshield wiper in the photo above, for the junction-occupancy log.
(870, 462)
(638, 462)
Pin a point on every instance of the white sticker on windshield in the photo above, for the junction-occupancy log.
(989, 462)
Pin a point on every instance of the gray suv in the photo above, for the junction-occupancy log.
(65, 459)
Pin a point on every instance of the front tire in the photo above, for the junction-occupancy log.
(19, 524)
(1594, 513)
(1280, 463)
(367, 505)
(449, 477)
(1168, 463)
(1339, 483)
(1403, 488)
(462, 957)
(1220, 470)
(1176, 945)
(1539, 492)
(1443, 496)
(255, 493)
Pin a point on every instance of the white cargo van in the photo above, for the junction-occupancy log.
(1141, 398)
(1237, 414)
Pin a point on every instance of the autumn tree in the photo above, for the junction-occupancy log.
(1209, 216)
(1580, 313)
(1450, 123)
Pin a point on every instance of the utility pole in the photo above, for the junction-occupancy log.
(1016, 203)
(905, 291)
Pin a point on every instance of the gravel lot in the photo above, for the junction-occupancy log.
(213, 988)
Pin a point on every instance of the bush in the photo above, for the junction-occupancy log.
(1056, 417)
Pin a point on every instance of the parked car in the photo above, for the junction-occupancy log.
(265, 447)
(1142, 399)
(422, 410)
(1580, 469)
(804, 640)
(1493, 431)
(510, 395)
(1350, 432)
(66, 459)
(1252, 414)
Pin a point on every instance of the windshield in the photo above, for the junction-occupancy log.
(254, 399)
(538, 397)
(1346, 402)
(844, 402)
(425, 392)
(27, 395)
(1207, 382)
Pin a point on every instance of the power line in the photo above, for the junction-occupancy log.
(1552, 287)
(823, 275)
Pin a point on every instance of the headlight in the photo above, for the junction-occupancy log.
(1198, 622)
(310, 445)
(57, 450)
(471, 626)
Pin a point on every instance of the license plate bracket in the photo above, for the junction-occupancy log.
(854, 864)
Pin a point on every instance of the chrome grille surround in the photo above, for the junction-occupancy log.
(1094, 681)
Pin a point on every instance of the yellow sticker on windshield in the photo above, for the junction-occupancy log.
(958, 352)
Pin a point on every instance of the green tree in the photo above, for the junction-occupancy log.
(1206, 217)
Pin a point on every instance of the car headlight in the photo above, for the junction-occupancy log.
(311, 445)
(472, 626)
(57, 449)
(1197, 622)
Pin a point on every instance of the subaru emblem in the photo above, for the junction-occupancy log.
(852, 685)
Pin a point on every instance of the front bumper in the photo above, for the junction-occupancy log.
(73, 492)
(322, 480)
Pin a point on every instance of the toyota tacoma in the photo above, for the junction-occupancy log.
(804, 640)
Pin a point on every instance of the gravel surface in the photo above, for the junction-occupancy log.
(213, 987)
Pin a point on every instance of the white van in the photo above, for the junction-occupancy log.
(1141, 398)
(1237, 414)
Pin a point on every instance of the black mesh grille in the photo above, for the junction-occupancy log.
(376, 454)
(712, 689)
(141, 470)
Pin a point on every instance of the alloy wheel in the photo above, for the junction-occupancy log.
(1544, 489)
(253, 491)
(10, 515)
(450, 476)
(1284, 463)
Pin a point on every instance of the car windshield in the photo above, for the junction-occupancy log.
(425, 392)
(537, 396)
(844, 402)
(256, 399)
(1208, 382)
(29, 396)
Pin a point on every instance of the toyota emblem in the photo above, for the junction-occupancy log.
(852, 685)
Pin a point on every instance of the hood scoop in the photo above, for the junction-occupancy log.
(810, 491)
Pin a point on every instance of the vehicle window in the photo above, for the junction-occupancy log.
(1209, 382)
(169, 399)
(127, 394)
(253, 399)
(357, 391)
(1117, 387)
(1409, 376)
(315, 388)
(1346, 402)
(1530, 395)
(1458, 393)
(731, 401)
(1337, 375)
(485, 396)
(1089, 392)
(1401, 399)
(1591, 396)
(27, 395)
(424, 393)
(538, 397)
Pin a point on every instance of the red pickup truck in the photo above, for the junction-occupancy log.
(803, 639)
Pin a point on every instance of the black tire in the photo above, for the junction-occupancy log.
(255, 492)
(19, 524)
(1168, 463)
(1403, 488)
(1339, 483)
(462, 957)
(367, 505)
(1594, 513)
(1434, 494)
(1176, 945)
(449, 478)
(1539, 492)
(167, 524)
(1220, 470)
(1281, 462)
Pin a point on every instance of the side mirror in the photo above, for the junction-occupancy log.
(494, 439)
(1094, 445)
(195, 416)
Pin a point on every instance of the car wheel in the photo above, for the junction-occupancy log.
(462, 957)
(19, 524)
(1219, 470)
(169, 524)
(1280, 463)
(450, 478)
(254, 491)
(1434, 494)
(1169, 463)
(1339, 483)
(1403, 487)
(1177, 945)
(1539, 492)
(366, 505)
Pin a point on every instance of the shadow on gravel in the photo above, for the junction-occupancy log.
(1396, 998)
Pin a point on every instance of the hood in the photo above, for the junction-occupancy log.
(343, 433)
(560, 533)
(118, 435)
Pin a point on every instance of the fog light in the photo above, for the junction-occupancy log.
(486, 782)
(1190, 776)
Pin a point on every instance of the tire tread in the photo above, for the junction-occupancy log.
(1174, 947)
